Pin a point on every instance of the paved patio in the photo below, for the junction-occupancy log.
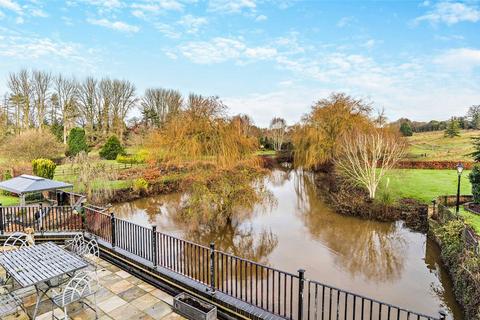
(122, 296)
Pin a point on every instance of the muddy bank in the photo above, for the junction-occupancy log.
(353, 201)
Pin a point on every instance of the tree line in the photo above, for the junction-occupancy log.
(41, 100)
(471, 120)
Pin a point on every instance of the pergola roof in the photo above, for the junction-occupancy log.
(28, 184)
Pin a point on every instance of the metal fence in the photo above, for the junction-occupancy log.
(40, 218)
(287, 295)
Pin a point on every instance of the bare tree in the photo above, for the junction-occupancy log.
(366, 156)
(158, 104)
(105, 93)
(21, 87)
(41, 81)
(88, 102)
(278, 127)
(123, 100)
(67, 92)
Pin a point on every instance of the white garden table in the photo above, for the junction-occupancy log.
(40, 264)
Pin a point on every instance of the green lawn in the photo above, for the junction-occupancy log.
(470, 218)
(424, 185)
(8, 200)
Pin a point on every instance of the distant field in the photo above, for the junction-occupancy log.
(436, 147)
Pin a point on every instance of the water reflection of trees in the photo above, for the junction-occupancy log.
(371, 249)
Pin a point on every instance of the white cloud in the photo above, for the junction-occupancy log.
(11, 5)
(32, 48)
(19, 20)
(36, 12)
(344, 21)
(215, 51)
(107, 4)
(114, 25)
(261, 53)
(155, 7)
(167, 30)
(464, 59)
(192, 24)
(451, 13)
(2, 15)
(261, 18)
(220, 49)
(370, 43)
(231, 6)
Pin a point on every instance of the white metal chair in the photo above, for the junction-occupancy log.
(9, 304)
(76, 244)
(91, 252)
(78, 289)
(15, 241)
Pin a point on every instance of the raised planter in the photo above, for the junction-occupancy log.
(194, 308)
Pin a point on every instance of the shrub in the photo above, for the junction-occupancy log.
(31, 144)
(474, 177)
(7, 174)
(44, 168)
(140, 185)
(77, 142)
(406, 129)
(111, 149)
(137, 158)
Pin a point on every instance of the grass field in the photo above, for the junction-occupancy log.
(423, 184)
(8, 200)
(470, 218)
(433, 146)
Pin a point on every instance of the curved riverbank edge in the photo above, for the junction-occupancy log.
(461, 259)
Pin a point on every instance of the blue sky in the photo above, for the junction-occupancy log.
(419, 59)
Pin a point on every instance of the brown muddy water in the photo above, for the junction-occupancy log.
(386, 261)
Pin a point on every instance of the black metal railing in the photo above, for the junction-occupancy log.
(327, 302)
(287, 295)
(40, 218)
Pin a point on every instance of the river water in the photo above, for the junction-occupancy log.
(386, 261)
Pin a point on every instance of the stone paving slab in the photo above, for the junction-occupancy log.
(121, 296)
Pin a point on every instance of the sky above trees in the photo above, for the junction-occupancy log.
(265, 58)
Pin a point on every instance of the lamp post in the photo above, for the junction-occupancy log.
(459, 173)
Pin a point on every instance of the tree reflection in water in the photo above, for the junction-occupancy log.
(371, 249)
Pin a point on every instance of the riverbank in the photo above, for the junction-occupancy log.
(461, 261)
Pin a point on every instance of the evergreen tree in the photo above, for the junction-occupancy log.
(406, 129)
(453, 128)
(76, 142)
(476, 149)
(111, 149)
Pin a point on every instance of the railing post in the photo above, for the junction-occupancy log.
(2, 226)
(212, 267)
(154, 245)
(301, 285)
(112, 223)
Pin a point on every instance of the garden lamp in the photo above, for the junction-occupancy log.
(459, 172)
